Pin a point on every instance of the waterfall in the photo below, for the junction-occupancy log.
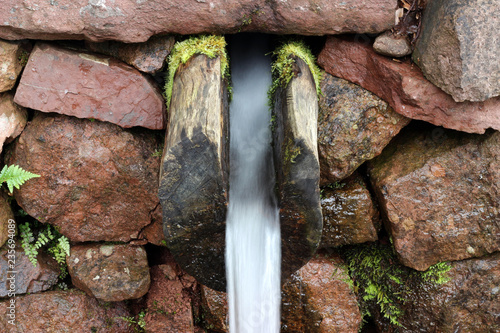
(253, 253)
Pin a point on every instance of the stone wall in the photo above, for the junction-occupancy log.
(408, 147)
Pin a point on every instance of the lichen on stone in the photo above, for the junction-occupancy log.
(210, 45)
(282, 67)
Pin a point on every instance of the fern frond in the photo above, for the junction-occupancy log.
(15, 176)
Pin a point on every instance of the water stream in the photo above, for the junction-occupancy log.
(253, 254)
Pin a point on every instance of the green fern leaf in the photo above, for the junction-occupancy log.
(15, 176)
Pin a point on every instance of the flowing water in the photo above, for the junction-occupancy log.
(253, 253)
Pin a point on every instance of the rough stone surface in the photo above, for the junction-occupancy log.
(5, 215)
(404, 87)
(63, 311)
(98, 181)
(349, 214)
(109, 272)
(169, 300)
(318, 299)
(439, 190)
(13, 118)
(11, 55)
(28, 278)
(468, 303)
(194, 181)
(296, 161)
(215, 308)
(392, 46)
(148, 57)
(353, 126)
(89, 86)
(131, 21)
(458, 48)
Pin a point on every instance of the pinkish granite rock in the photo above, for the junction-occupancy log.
(99, 182)
(439, 190)
(109, 272)
(12, 58)
(136, 21)
(89, 86)
(404, 87)
(13, 118)
(148, 57)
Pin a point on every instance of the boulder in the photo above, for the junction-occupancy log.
(63, 311)
(98, 181)
(297, 169)
(439, 192)
(110, 273)
(404, 87)
(170, 300)
(318, 298)
(391, 45)
(194, 179)
(6, 219)
(26, 277)
(467, 303)
(353, 126)
(85, 85)
(13, 118)
(148, 57)
(136, 21)
(350, 215)
(457, 48)
(12, 59)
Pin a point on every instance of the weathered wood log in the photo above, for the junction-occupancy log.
(297, 169)
(194, 177)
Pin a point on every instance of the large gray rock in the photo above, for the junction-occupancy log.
(297, 169)
(439, 191)
(136, 21)
(194, 179)
(458, 48)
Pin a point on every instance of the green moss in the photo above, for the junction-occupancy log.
(282, 67)
(379, 279)
(211, 46)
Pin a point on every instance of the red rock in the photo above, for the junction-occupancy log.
(318, 299)
(5, 215)
(98, 181)
(353, 126)
(63, 311)
(148, 57)
(349, 213)
(214, 305)
(28, 278)
(133, 22)
(439, 191)
(405, 89)
(467, 303)
(109, 272)
(11, 63)
(457, 47)
(13, 118)
(169, 300)
(89, 86)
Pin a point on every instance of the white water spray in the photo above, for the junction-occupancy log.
(253, 252)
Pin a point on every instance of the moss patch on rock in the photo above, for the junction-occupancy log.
(283, 70)
(211, 46)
